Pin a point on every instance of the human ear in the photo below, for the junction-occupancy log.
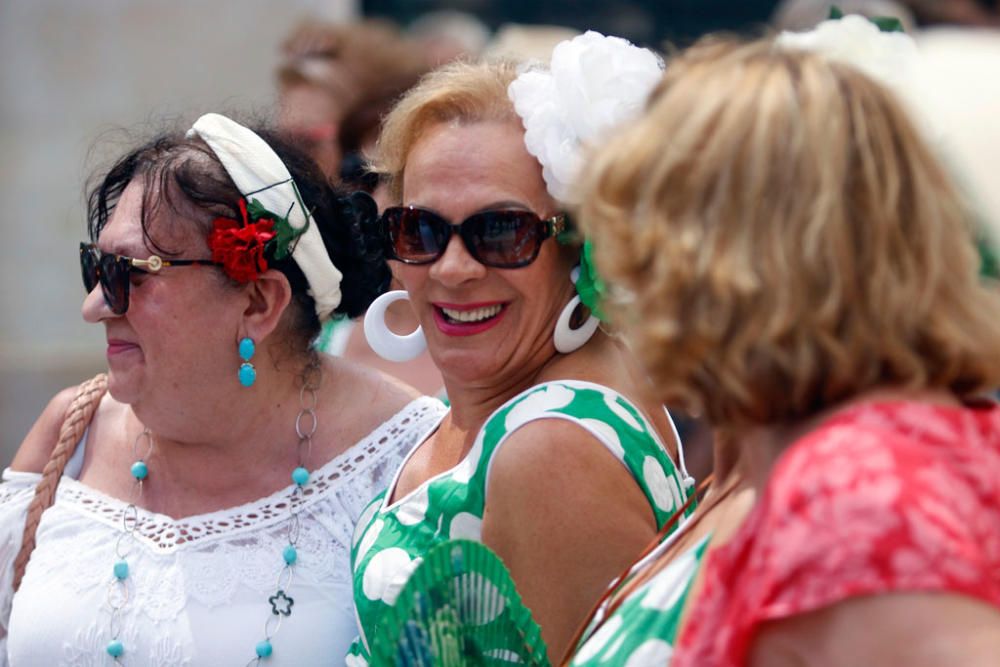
(269, 296)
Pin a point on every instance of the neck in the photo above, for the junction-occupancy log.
(472, 403)
(238, 449)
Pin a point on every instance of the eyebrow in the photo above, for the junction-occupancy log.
(505, 204)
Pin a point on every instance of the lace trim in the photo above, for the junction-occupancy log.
(164, 533)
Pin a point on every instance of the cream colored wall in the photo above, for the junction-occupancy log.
(72, 73)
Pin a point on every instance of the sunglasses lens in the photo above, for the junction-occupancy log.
(504, 239)
(115, 282)
(88, 266)
(416, 236)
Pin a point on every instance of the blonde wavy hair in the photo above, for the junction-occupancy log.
(461, 93)
(779, 239)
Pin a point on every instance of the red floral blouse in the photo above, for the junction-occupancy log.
(896, 496)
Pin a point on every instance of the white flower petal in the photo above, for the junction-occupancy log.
(592, 84)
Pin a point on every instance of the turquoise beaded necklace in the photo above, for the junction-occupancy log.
(281, 603)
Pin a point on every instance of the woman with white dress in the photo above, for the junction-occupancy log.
(205, 516)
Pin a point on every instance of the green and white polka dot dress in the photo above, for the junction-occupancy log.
(642, 631)
(390, 539)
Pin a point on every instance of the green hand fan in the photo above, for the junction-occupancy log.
(459, 608)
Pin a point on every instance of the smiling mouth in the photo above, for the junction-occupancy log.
(474, 316)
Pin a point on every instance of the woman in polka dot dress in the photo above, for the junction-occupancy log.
(556, 460)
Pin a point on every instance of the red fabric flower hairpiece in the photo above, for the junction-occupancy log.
(239, 244)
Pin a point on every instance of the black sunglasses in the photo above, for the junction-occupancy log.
(503, 239)
(114, 272)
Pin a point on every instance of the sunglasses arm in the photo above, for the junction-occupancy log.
(152, 265)
(155, 263)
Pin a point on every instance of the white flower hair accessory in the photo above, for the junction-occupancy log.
(592, 84)
(891, 58)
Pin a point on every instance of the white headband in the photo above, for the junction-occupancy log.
(258, 172)
(594, 83)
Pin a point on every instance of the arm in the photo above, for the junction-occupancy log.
(913, 629)
(566, 517)
(37, 446)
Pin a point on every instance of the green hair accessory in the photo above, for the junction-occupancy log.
(883, 23)
(989, 266)
(589, 285)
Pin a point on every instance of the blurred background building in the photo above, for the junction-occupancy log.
(84, 80)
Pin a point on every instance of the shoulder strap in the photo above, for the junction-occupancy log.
(77, 418)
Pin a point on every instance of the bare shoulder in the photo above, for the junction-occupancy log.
(37, 446)
(559, 463)
(374, 396)
(548, 443)
(914, 629)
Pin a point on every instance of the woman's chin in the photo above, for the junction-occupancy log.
(122, 387)
(467, 366)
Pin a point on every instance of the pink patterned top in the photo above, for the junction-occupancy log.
(895, 496)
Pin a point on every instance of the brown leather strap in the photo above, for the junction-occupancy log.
(77, 418)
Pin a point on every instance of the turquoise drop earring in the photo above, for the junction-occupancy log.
(247, 373)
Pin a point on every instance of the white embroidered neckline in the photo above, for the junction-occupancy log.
(164, 533)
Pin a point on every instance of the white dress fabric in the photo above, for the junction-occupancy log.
(201, 584)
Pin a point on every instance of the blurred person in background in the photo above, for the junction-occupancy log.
(446, 35)
(802, 270)
(527, 42)
(203, 508)
(335, 83)
(553, 454)
(972, 13)
(803, 14)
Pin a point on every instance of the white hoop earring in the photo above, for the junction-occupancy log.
(565, 337)
(385, 343)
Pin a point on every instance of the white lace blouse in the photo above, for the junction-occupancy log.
(201, 584)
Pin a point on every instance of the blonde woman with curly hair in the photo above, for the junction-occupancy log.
(791, 261)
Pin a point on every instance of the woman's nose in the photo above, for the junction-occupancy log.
(456, 265)
(95, 308)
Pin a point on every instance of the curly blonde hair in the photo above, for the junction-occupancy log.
(460, 92)
(781, 240)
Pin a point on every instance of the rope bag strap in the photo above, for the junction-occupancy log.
(76, 421)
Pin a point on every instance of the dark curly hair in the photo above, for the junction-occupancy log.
(181, 172)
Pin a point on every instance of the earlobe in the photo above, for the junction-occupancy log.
(269, 296)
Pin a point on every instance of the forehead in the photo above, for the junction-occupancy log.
(460, 168)
(123, 233)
